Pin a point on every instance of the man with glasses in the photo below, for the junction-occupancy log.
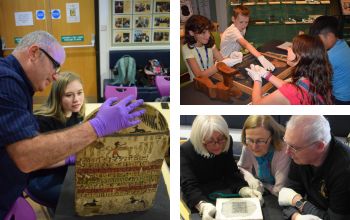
(32, 66)
(319, 176)
(55, 64)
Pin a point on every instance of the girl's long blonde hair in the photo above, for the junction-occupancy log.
(53, 105)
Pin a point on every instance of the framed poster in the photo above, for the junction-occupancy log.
(161, 21)
(161, 6)
(139, 22)
(345, 7)
(161, 36)
(142, 36)
(122, 7)
(121, 36)
(122, 21)
(142, 21)
(142, 7)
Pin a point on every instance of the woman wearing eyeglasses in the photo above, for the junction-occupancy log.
(208, 169)
(263, 161)
(65, 107)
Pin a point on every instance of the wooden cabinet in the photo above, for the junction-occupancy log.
(79, 59)
(282, 20)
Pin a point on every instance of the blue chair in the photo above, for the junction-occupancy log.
(120, 91)
(21, 209)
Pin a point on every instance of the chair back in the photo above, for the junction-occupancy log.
(21, 209)
(35, 199)
(120, 91)
(163, 85)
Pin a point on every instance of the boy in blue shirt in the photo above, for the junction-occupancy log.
(326, 27)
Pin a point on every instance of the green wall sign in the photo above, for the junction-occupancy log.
(72, 38)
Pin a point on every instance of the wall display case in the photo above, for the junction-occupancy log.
(140, 22)
(274, 2)
(345, 27)
(345, 6)
(272, 19)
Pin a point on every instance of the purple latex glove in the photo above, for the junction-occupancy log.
(110, 119)
(70, 160)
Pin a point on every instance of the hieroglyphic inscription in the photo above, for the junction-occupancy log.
(120, 173)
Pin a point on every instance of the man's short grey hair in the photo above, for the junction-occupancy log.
(314, 127)
(202, 129)
(42, 38)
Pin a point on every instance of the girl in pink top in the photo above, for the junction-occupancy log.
(310, 80)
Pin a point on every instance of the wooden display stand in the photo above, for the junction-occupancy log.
(120, 173)
(222, 90)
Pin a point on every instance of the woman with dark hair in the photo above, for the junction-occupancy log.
(199, 51)
(310, 80)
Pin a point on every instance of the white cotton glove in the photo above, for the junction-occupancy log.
(265, 63)
(238, 56)
(247, 192)
(259, 69)
(307, 217)
(255, 184)
(207, 210)
(254, 73)
(285, 196)
(230, 62)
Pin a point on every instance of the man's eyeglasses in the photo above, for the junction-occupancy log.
(251, 142)
(56, 65)
(297, 149)
(212, 143)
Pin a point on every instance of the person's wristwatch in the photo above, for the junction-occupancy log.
(300, 204)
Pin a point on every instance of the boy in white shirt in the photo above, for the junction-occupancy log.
(233, 37)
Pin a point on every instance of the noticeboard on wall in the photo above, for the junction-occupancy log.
(140, 22)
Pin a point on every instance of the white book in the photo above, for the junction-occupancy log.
(285, 45)
(238, 209)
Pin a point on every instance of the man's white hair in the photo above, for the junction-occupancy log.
(41, 38)
(313, 127)
(203, 127)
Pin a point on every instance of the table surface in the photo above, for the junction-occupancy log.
(271, 210)
(190, 96)
(65, 208)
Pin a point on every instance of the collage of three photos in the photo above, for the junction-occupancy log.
(90, 124)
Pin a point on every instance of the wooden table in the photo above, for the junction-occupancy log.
(245, 83)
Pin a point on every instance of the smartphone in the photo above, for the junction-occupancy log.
(164, 105)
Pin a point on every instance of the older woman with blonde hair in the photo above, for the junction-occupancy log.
(263, 161)
(207, 166)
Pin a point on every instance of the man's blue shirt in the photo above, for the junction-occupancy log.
(339, 56)
(17, 123)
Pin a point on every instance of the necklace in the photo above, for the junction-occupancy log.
(201, 59)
